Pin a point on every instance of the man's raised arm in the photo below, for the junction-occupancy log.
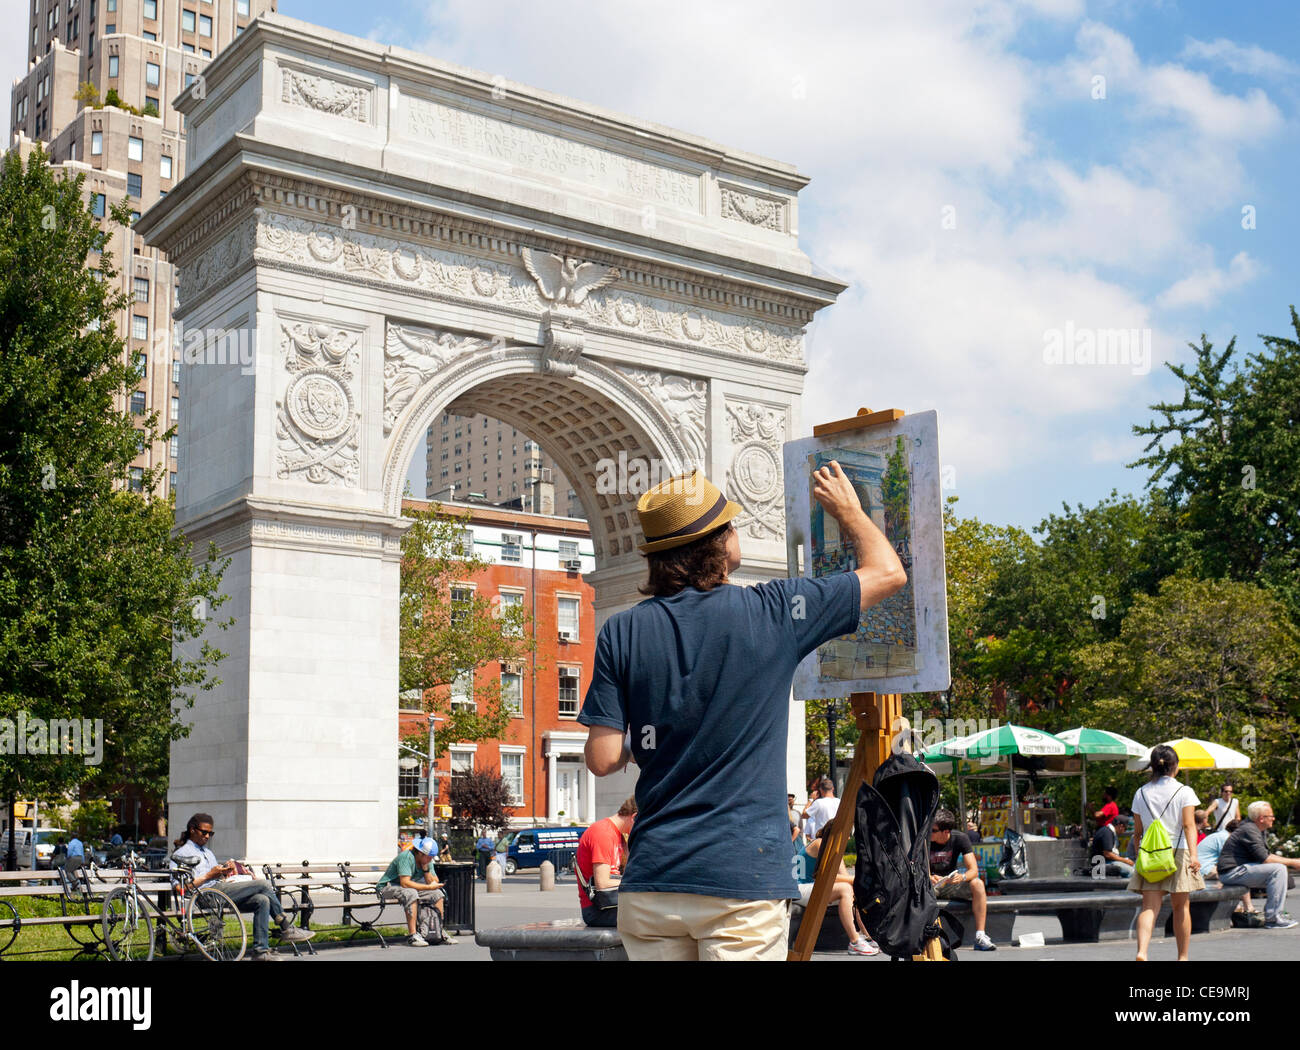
(879, 571)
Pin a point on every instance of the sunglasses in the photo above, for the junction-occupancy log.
(204, 831)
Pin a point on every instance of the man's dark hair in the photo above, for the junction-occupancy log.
(944, 820)
(628, 808)
(701, 564)
(1111, 792)
(194, 822)
(826, 784)
(1232, 825)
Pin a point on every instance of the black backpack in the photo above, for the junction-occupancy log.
(891, 883)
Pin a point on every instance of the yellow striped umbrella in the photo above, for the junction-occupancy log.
(1198, 754)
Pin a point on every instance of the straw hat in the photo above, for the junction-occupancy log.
(682, 509)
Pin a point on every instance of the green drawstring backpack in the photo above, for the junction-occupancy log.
(1155, 859)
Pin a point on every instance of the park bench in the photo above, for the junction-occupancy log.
(1090, 914)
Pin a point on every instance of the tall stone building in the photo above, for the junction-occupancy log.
(467, 455)
(143, 52)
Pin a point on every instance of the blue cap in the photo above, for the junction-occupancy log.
(426, 846)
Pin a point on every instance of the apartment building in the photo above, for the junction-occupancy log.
(137, 55)
(479, 455)
(536, 561)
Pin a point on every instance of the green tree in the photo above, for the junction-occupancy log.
(88, 94)
(1225, 457)
(1216, 659)
(896, 493)
(478, 801)
(95, 590)
(448, 631)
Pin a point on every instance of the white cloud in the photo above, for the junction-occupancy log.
(1251, 60)
(1203, 286)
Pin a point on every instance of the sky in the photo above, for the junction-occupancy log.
(1001, 184)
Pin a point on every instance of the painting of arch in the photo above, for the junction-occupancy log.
(901, 644)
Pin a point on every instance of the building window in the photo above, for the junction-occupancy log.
(408, 781)
(568, 551)
(152, 74)
(134, 148)
(171, 481)
(97, 204)
(176, 409)
(512, 546)
(567, 617)
(151, 9)
(165, 166)
(462, 600)
(205, 25)
(512, 772)
(139, 327)
(188, 48)
(512, 692)
(110, 5)
(174, 449)
(137, 403)
(204, 53)
(96, 143)
(112, 65)
(462, 762)
(241, 7)
(462, 692)
(189, 77)
(111, 27)
(141, 364)
(151, 100)
(187, 21)
(513, 600)
(142, 289)
(569, 678)
(176, 372)
(137, 479)
(149, 35)
(134, 184)
(466, 538)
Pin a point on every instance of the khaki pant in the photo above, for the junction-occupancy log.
(691, 926)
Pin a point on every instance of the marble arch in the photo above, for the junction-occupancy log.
(396, 236)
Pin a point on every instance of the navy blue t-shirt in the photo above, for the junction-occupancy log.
(702, 679)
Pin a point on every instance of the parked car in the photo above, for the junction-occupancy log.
(528, 848)
(45, 840)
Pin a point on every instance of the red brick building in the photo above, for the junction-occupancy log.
(539, 561)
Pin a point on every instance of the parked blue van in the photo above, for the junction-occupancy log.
(528, 848)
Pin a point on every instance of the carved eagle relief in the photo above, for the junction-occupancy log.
(565, 280)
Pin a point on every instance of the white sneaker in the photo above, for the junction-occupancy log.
(983, 943)
(416, 941)
(864, 947)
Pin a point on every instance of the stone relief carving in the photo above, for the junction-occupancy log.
(684, 402)
(328, 246)
(412, 354)
(317, 426)
(216, 262)
(767, 212)
(324, 95)
(564, 282)
(754, 478)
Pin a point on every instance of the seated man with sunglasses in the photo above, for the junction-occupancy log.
(255, 895)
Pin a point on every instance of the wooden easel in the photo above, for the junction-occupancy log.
(878, 716)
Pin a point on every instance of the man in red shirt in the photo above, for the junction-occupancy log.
(1110, 810)
(599, 862)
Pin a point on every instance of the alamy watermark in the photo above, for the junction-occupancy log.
(632, 476)
(926, 733)
(1098, 346)
(25, 735)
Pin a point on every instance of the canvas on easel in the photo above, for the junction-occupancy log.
(901, 645)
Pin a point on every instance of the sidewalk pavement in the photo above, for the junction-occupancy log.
(521, 901)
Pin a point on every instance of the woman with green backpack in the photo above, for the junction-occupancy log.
(1164, 824)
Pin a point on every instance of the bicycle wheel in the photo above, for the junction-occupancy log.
(128, 930)
(216, 927)
(10, 924)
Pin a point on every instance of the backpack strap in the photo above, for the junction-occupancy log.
(1182, 831)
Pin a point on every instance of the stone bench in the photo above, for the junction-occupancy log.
(562, 940)
(1090, 915)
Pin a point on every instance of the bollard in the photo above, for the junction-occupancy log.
(547, 880)
(493, 877)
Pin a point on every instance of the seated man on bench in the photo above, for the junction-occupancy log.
(955, 880)
(255, 895)
(419, 897)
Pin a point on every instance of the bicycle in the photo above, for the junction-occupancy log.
(209, 920)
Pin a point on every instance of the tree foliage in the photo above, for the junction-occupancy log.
(478, 801)
(94, 588)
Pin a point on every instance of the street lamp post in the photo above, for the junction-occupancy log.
(433, 775)
(832, 717)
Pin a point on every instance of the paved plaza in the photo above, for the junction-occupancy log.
(521, 901)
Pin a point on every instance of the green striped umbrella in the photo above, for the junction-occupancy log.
(1005, 741)
(1100, 744)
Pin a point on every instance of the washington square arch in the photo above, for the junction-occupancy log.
(402, 237)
